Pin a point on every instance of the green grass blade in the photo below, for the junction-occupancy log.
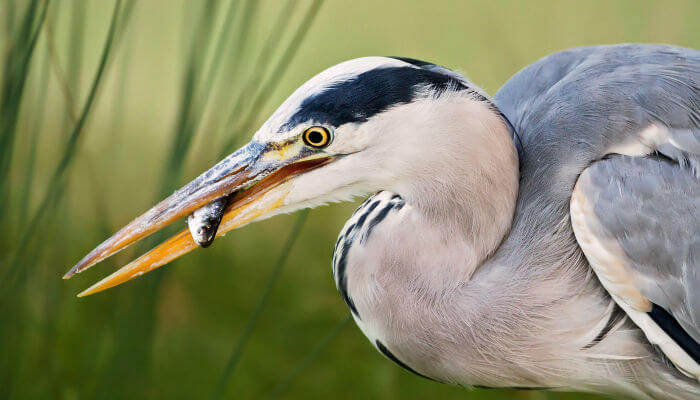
(134, 339)
(308, 359)
(75, 54)
(257, 104)
(19, 270)
(218, 52)
(30, 164)
(13, 84)
(188, 113)
(57, 178)
(238, 46)
(255, 80)
(278, 71)
(257, 311)
(9, 17)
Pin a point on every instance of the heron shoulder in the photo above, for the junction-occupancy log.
(602, 87)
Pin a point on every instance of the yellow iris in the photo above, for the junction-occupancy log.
(317, 136)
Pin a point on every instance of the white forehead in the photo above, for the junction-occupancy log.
(337, 73)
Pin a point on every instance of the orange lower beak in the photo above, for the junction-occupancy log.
(258, 187)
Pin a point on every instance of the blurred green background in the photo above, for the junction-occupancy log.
(107, 107)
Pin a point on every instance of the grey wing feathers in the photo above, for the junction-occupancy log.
(573, 108)
(650, 207)
(636, 216)
(636, 220)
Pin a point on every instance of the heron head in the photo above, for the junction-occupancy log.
(363, 125)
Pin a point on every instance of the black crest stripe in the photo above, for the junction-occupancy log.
(412, 61)
(367, 94)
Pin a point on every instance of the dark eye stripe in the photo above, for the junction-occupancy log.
(367, 94)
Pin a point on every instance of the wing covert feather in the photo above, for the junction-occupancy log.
(637, 221)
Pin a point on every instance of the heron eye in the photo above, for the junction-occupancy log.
(317, 136)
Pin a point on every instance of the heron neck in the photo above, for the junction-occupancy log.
(469, 182)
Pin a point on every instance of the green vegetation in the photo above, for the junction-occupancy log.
(106, 107)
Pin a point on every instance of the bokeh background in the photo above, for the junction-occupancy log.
(106, 107)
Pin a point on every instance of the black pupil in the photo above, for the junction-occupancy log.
(315, 137)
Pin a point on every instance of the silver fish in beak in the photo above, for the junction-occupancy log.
(204, 222)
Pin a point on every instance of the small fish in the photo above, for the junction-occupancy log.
(204, 222)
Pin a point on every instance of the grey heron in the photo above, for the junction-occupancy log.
(546, 238)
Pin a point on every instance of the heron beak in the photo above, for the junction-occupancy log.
(257, 178)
